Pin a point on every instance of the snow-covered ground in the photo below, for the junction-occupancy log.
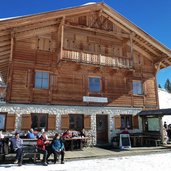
(153, 162)
(165, 103)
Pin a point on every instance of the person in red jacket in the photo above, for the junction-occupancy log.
(42, 144)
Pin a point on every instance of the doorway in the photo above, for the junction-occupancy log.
(102, 129)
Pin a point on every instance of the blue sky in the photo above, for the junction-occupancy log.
(153, 16)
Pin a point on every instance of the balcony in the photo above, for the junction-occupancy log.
(96, 59)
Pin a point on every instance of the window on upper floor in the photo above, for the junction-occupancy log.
(44, 44)
(137, 87)
(94, 84)
(41, 80)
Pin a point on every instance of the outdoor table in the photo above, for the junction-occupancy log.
(79, 140)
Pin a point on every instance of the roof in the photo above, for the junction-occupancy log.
(158, 112)
(17, 28)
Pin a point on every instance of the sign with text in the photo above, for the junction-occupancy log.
(95, 99)
(125, 141)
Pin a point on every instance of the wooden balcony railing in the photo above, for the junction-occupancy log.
(82, 57)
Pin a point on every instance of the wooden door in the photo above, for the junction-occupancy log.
(102, 129)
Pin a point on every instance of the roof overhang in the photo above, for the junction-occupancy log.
(157, 113)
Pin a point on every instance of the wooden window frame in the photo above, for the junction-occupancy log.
(75, 116)
(41, 87)
(136, 93)
(38, 124)
(126, 118)
(95, 93)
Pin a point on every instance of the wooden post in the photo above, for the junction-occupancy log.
(131, 44)
(10, 69)
(62, 37)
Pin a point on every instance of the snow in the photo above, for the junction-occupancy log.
(165, 103)
(151, 162)
(89, 3)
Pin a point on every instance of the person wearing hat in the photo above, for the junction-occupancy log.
(17, 147)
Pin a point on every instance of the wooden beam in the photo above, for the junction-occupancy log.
(5, 43)
(35, 32)
(146, 46)
(10, 68)
(167, 61)
(4, 53)
(131, 48)
(127, 24)
(135, 47)
(5, 48)
(62, 37)
(36, 26)
(5, 38)
(107, 14)
(12, 46)
(111, 33)
(23, 21)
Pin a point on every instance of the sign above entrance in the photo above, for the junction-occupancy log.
(95, 99)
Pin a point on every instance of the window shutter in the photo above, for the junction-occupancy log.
(135, 122)
(51, 122)
(117, 122)
(87, 121)
(64, 122)
(10, 122)
(26, 122)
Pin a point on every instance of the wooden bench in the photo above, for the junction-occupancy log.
(150, 141)
(29, 151)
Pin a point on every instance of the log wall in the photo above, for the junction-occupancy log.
(68, 74)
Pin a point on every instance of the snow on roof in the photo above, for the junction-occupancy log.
(9, 18)
(89, 3)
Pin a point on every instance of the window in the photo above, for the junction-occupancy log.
(126, 121)
(2, 121)
(42, 80)
(39, 121)
(137, 88)
(76, 121)
(94, 84)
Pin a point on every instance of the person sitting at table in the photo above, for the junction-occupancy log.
(17, 147)
(30, 134)
(125, 131)
(42, 147)
(57, 148)
(83, 133)
(67, 135)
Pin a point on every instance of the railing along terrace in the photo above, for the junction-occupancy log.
(97, 59)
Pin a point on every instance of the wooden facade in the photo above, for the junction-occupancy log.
(73, 45)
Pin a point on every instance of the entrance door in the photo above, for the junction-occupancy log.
(102, 129)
